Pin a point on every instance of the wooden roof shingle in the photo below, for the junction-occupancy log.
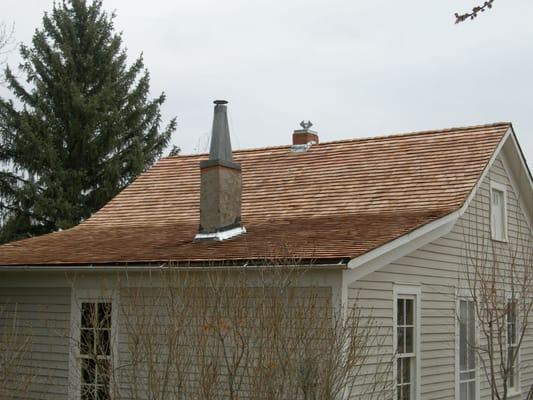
(338, 200)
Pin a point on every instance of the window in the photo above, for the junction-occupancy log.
(498, 212)
(512, 346)
(95, 350)
(406, 331)
(467, 352)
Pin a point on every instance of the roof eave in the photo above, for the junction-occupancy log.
(341, 263)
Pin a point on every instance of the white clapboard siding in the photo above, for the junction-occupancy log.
(43, 317)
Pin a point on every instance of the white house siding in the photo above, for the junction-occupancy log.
(435, 268)
(42, 315)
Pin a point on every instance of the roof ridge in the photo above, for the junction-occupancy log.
(362, 139)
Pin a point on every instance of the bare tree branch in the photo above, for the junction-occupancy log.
(7, 44)
(498, 280)
(474, 13)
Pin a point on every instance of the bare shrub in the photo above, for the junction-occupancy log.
(241, 334)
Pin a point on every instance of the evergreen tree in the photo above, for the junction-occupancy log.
(82, 126)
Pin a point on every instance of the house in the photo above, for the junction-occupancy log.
(381, 221)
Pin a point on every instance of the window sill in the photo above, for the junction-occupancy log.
(515, 394)
(504, 240)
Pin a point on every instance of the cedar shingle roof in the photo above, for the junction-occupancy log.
(338, 200)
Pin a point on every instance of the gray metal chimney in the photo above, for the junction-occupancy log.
(221, 187)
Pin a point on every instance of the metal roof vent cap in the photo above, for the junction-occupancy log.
(303, 139)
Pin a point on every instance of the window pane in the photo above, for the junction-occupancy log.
(87, 392)
(399, 372)
(104, 346)
(401, 340)
(495, 197)
(510, 354)
(406, 389)
(87, 341)
(87, 315)
(401, 312)
(103, 372)
(462, 334)
(471, 343)
(409, 311)
(103, 393)
(511, 323)
(463, 391)
(409, 340)
(463, 311)
(104, 315)
(406, 373)
(88, 369)
(498, 214)
(510, 335)
(472, 390)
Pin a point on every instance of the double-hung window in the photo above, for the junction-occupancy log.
(512, 346)
(406, 342)
(498, 211)
(467, 350)
(95, 350)
(92, 347)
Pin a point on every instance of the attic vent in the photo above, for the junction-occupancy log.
(303, 139)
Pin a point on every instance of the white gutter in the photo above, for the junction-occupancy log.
(120, 268)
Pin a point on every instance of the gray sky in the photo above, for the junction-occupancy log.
(354, 68)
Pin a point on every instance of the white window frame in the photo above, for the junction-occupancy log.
(408, 292)
(516, 390)
(464, 295)
(502, 188)
(79, 296)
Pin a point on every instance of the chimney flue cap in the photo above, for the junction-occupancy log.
(220, 102)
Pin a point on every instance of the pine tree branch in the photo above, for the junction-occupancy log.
(10, 208)
(474, 13)
(7, 175)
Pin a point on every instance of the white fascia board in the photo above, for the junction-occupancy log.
(519, 176)
(369, 262)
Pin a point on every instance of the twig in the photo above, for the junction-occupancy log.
(474, 13)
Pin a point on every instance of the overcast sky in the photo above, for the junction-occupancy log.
(354, 68)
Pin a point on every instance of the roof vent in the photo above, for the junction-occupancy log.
(303, 139)
(221, 184)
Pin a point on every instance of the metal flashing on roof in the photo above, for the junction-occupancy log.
(221, 235)
(301, 148)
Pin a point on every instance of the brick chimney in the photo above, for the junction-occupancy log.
(303, 139)
(220, 191)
